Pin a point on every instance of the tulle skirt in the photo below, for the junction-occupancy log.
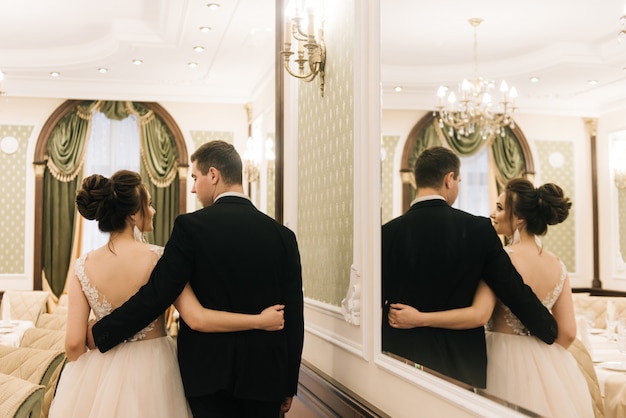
(539, 377)
(135, 379)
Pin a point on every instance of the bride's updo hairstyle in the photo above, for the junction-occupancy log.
(110, 201)
(539, 207)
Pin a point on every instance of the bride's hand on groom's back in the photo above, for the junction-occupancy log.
(272, 318)
(91, 344)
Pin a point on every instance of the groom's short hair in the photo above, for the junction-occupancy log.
(433, 164)
(221, 155)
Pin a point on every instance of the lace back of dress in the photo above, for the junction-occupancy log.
(99, 304)
(514, 323)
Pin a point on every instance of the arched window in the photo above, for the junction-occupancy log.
(59, 168)
(501, 158)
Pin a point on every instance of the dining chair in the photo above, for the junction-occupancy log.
(51, 321)
(19, 398)
(45, 339)
(38, 366)
(594, 308)
(25, 305)
(585, 364)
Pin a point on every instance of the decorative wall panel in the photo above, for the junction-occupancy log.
(556, 165)
(13, 166)
(325, 165)
(388, 149)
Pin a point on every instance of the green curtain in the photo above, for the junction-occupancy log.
(115, 110)
(159, 168)
(159, 164)
(461, 144)
(508, 157)
(165, 202)
(65, 149)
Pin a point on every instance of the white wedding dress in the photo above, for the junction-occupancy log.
(527, 372)
(138, 378)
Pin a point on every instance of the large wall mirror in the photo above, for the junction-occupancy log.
(409, 124)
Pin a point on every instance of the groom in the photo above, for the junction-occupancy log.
(433, 257)
(236, 259)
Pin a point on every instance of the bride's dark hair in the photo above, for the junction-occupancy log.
(539, 207)
(110, 201)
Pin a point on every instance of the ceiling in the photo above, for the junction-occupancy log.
(424, 44)
(78, 37)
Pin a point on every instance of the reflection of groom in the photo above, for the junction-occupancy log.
(236, 259)
(433, 257)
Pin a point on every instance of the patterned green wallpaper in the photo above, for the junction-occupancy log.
(200, 137)
(556, 165)
(325, 167)
(12, 204)
(388, 149)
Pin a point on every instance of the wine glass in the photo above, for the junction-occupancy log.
(611, 319)
(621, 335)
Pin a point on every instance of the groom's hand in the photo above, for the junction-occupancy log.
(286, 405)
(91, 344)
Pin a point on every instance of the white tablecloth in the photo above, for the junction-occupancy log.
(11, 331)
(606, 356)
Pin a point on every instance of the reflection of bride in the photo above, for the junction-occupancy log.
(522, 369)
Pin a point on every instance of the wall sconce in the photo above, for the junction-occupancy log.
(311, 49)
(252, 160)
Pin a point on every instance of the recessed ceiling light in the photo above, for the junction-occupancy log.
(213, 6)
(592, 82)
(198, 48)
(192, 64)
(55, 74)
(205, 29)
(137, 62)
(534, 79)
(397, 89)
(102, 70)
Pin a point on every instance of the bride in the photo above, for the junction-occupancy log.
(520, 368)
(141, 377)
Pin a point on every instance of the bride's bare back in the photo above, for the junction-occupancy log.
(541, 270)
(118, 270)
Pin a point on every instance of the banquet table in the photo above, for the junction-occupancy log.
(11, 331)
(610, 367)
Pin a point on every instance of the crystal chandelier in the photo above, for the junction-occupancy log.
(474, 111)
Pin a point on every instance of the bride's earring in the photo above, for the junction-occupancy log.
(138, 234)
(516, 236)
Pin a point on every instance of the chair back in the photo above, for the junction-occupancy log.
(585, 364)
(51, 321)
(25, 305)
(32, 364)
(594, 307)
(45, 339)
(19, 398)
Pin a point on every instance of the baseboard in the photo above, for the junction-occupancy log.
(320, 395)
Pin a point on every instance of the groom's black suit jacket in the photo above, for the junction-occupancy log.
(237, 259)
(433, 258)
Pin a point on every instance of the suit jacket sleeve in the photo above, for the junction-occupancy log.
(510, 288)
(294, 315)
(167, 280)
